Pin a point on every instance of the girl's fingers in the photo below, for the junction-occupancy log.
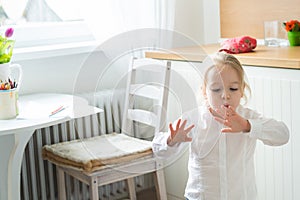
(216, 113)
(178, 124)
(188, 139)
(221, 120)
(212, 111)
(183, 124)
(189, 128)
(180, 127)
(226, 130)
(221, 114)
(227, 123)
(228, 111)
(171, 128)
(231, 110)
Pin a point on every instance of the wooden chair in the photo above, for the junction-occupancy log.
(105, 165)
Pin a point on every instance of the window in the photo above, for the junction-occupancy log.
(44, 22)
(45, 27)
(59, 22)
(23, 11)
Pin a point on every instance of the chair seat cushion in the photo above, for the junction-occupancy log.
(91, 154)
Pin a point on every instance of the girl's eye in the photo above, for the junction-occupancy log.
(234, 89)
(216, 90)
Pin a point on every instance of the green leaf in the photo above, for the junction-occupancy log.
(296, 28)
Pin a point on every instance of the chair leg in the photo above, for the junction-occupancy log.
(61, 183)
(94, 188)
(160, 185)
(131, 188)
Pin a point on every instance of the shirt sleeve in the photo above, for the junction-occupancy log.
(269, 131)
(162, 150)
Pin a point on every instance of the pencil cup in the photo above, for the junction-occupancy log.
(8, 104)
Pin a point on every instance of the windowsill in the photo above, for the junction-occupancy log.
(51, 39)
(47, 51)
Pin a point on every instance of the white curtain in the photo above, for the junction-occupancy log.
(108, 18)
(14, 9)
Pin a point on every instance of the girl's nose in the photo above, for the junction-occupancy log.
(225, 95)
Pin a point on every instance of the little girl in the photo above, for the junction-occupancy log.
(221, 136)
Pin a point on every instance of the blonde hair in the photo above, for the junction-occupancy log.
(222, 59)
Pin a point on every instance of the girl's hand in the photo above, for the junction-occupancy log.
(179, 134)
(231, 119)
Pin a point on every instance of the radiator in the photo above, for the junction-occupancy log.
(38, 177)
(278, 168)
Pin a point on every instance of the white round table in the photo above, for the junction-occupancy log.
(35, 113)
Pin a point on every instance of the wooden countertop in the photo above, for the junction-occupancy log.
(281, 57)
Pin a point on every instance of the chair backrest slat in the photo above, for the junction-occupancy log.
(153, 86)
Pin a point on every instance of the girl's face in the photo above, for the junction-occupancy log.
(223, 87)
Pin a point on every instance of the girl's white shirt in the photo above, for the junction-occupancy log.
(221, 165)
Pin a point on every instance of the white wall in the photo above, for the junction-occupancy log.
(198, 19)
(72, 73)
(68, 73)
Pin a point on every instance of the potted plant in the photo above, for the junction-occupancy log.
(6, 46)
(293, 30)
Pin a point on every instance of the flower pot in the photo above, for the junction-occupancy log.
(294, 38)
(6, 50)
